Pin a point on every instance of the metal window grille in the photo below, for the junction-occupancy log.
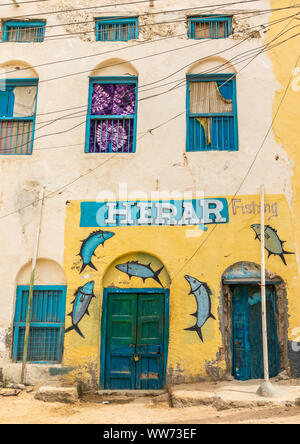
(46, 331)
(114, 134)
(16, 136)
(223, 133)
(116, 29)
(209, 27)
(24, 32)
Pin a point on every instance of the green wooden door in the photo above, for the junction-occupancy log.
(135, 341)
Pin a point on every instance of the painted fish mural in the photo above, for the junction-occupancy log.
(273, 244)
(140, 270)
(202, 294)
(89, 246)
(83, 296)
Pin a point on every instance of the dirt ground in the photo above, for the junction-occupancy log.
(24, 409)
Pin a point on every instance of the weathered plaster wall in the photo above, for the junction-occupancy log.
(160, 163)
(188, 358)
(286, 132)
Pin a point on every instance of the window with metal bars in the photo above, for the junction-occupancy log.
(46, 333)
(210, 27)
(24, 32)
(17, 115)
(212, 113)
(114, 29)
(112, 115)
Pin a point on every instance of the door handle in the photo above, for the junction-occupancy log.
(136, 358)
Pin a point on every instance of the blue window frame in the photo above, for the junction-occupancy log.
(210, 27)
(212, 113)
(47, 326)
(112, 115)
(18, 99)
(24, 31)
(116, 29)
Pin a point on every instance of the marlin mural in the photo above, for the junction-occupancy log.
(83, 296)
(140, 270)
(89, 246)
(202, 294)
(273, 244)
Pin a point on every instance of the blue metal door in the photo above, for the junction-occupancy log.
(247, 350)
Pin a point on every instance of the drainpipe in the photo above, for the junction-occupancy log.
(31, 286)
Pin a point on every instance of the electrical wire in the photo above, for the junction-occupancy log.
(98, 166)
(258, 50)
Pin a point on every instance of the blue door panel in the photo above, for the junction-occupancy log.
(247, 349)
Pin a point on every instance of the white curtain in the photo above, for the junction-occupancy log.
(205, 97)
(25, 98)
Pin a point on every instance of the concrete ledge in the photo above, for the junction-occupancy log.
(35, 373)
(186, 398)
(234, 396)
(131, 393)
(49, 393)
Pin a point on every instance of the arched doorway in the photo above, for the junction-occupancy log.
(241, 321)
(135, 324)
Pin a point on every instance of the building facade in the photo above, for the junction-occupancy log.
(150, 126)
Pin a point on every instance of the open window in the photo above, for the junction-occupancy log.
(111, 123)
(211, 113)
(17, 115)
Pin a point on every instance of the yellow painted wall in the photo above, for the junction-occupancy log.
(175, 248)
(286, 125)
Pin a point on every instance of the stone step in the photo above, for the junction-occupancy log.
(50, 393)
(126, 396)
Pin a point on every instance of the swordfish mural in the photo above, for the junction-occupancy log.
(202, 293)
(83, 296)
(89, 245)
(134, 268)
(273, 244)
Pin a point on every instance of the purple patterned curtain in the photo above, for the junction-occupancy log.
(112, 134)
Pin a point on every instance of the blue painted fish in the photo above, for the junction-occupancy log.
(273, 244)
(140, 270)
(89, 246)
(202, 294)
(83, 296)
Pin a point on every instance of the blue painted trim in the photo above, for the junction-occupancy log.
(234, 113)
(227, 20)
(132, 34)
(106, 292)
(23, 25)
(107, 80)
(61, 313)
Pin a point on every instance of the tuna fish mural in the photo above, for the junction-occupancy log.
(140, 270)
(89, 246)
(273, 244)
(83, 296)
(202, 294)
